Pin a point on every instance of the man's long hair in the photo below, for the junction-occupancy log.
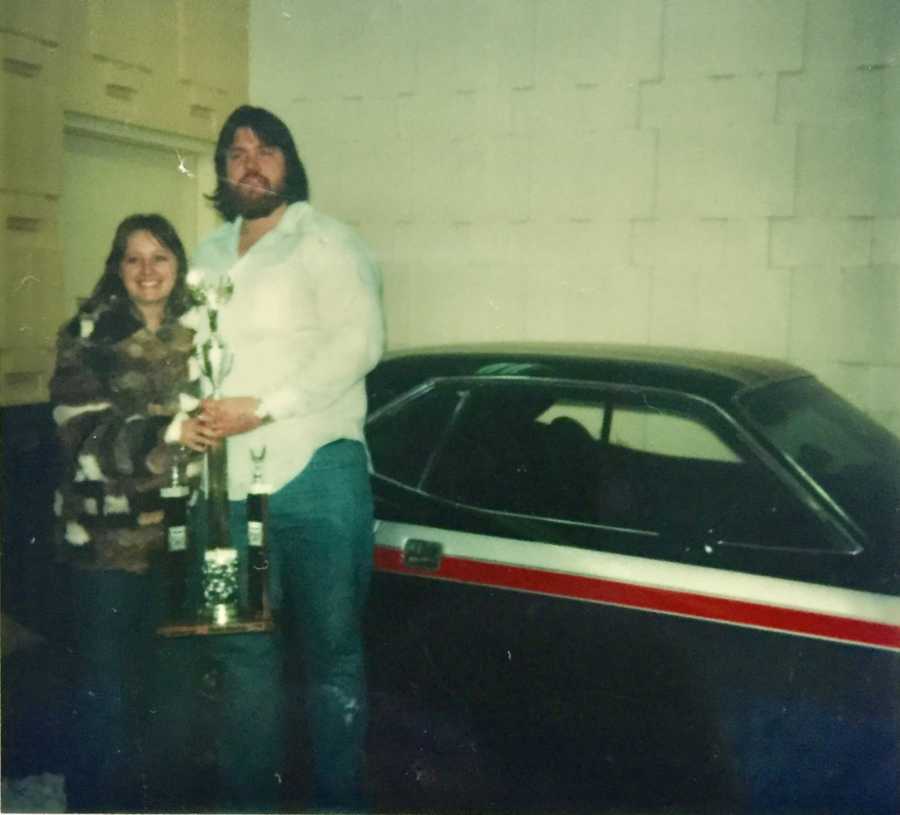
(110, 290)
(271, 131)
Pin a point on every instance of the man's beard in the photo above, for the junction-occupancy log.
(256, 204)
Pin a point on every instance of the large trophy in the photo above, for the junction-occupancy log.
(220, 576)
(226, 601)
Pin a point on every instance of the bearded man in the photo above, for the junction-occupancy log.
(305, 325)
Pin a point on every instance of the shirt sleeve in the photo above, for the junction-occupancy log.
(348, 301)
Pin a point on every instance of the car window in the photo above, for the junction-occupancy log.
(656, 431)
(674, 468)
(402, 440)
(661, 467)
(516, 449)
(854, 460)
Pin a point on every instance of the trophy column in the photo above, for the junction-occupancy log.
(220, 574)
(216, 361)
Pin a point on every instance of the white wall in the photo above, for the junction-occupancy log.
(716, 173)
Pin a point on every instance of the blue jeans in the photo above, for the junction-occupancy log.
(320, 555)
(116, 614)
(218, 697)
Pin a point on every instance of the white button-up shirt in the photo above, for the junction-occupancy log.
(305, 326)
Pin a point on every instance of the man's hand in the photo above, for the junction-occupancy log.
(231, 416)
(197, 434)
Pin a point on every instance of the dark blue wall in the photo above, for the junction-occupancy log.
(33, 586)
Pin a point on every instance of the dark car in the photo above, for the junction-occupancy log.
(628, 576)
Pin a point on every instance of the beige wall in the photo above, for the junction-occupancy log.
(140, 75)
(717, 173)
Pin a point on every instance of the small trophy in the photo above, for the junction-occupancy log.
(257, 518)
(175, 506)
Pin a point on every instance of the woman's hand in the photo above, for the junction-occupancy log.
(197, 434)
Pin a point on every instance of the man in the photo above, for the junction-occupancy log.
(305, 326)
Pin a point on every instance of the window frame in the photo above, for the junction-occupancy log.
(610, 394)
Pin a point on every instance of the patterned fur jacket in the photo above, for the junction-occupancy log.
(116, 389)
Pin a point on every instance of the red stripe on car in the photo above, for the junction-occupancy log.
(667, 601)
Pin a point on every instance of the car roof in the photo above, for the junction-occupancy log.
(716, 375)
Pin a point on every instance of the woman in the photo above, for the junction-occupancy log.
(121, 387)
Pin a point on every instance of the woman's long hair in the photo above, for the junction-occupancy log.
(271, 131)
(110, 290)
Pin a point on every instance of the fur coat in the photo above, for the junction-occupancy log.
(116, 389)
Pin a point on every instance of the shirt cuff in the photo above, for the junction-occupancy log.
(173, 431)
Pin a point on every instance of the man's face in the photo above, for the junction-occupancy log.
(255, 173)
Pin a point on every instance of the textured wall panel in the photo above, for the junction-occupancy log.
(801, 241)
(372, 185)
(701, 100)
(817, 314)
(674, 306)
(387, 50)
(679, 242)
(839, 169)
(40, 19)
(474, 45)
(890, 84)
(609, 174)
(453, 115)
(588, 41)
(744, 308)
(725, 37)
(726, 171)
(31, 124)
(852, 33)
(829, 95)
(872, 311)
(886, 241)
(887, 141)
(569, 266)
(543, 111)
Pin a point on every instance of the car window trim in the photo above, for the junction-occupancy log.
(644, 533)
(786, 476)
(438, 449)
(738, 400)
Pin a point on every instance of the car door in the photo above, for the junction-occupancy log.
(603, 579)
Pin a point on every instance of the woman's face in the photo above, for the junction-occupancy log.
(148, 270)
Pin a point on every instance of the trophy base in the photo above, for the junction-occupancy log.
(221, 614)
(203, 625)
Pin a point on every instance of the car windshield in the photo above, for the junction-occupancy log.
(853, 458)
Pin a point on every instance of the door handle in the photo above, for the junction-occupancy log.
(422, 554)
